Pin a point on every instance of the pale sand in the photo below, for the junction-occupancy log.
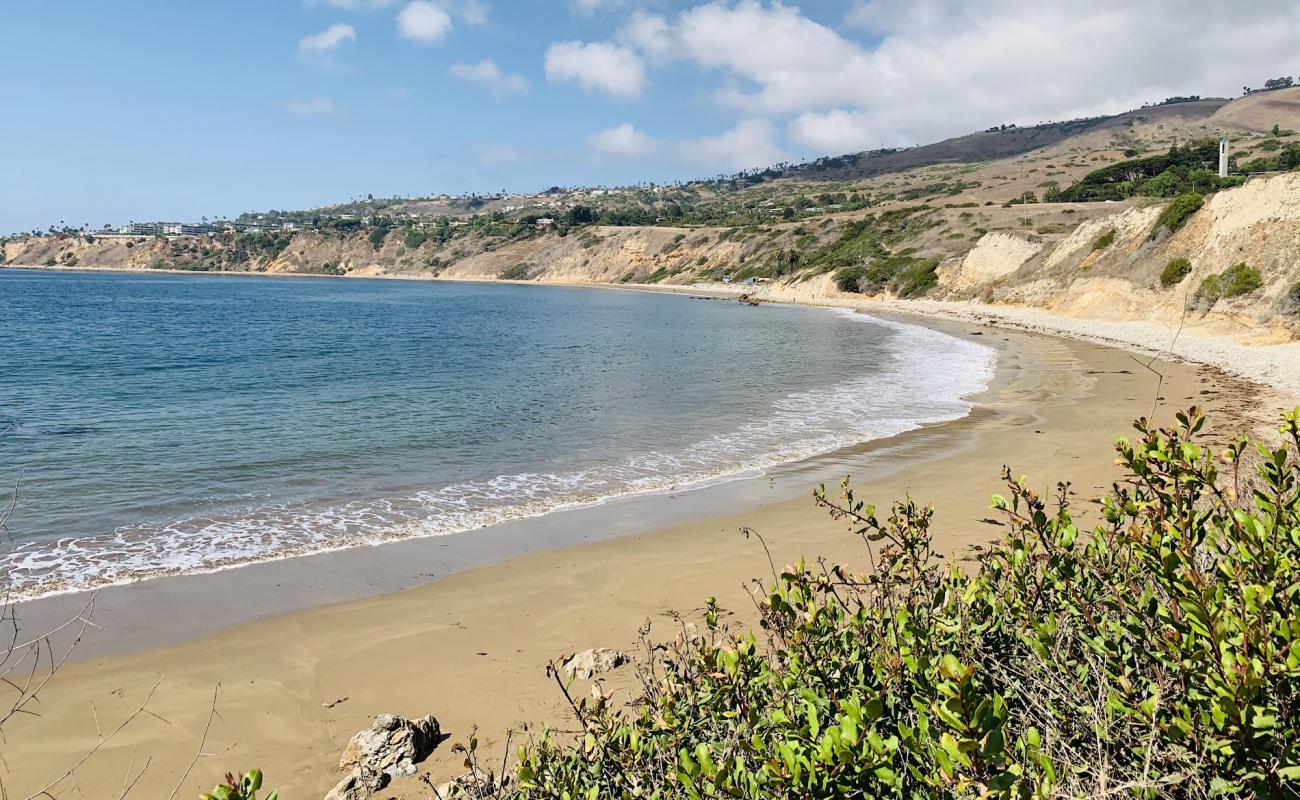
(471, 648)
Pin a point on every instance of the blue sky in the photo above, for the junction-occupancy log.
(157, 109)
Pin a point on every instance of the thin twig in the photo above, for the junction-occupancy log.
(203, 740)
(46, 790)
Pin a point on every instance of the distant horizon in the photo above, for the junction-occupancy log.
(322, 100)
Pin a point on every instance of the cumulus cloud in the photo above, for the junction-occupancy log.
(487, 73)
(313, 107)
(650, 33)
(423, 21)
(596, 66)
(622, 140)
(323, 43)
(834, 131)
(937, 68)
(751, 143)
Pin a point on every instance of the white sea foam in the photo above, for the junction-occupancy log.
(930, 380)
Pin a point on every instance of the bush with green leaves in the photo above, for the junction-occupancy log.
(1156, 654)
(905, 276)
(378, 235)
(1235, 281)
(1103, 241)
(1175, 271)
(1176, 214)
(244, 788)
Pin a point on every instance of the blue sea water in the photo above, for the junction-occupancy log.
(187, 423)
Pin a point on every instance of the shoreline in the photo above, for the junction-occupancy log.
(471, 646)
(379, 567)
(37, 590)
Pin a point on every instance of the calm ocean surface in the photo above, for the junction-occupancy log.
(177, 423)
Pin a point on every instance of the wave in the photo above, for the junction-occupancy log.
(929, 379)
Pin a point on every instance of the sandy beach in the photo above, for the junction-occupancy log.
(295, 678)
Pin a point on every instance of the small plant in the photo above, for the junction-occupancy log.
(1174, 272)
(1176, 214)
(519, 272)
(1235, 281)
(1294, 295)
(1103, 241)
(244, 789)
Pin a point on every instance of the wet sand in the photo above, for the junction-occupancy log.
(298, 677)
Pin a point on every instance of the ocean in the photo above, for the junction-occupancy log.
(170, 424)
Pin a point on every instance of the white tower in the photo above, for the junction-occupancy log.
(1223, 157)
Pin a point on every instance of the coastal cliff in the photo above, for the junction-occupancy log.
(1084, 260)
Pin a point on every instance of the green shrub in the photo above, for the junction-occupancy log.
(377, 236)
(519, 272)
(1179, 210)
(1235, 281)
(1157, 654)
(1294, 295)
(244, 788)
(916, 278)
(1175, 271)
(1103, 241)
(904, 275)
(414, 239)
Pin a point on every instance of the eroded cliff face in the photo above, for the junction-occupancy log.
(1257, 224)
(1052, 257)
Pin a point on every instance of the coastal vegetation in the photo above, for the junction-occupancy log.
(519, 272)
(1237, 280)
(244, 788)
(1155, 654)
(904, 275)
(1178, 212)
(1181, 170)
(1175, 271)
(1103, 241)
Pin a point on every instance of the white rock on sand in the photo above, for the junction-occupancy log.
(590, 663)
(391, 746)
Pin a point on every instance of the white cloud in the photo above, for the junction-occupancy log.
(751, 143)
(622, 140)
(498, 153)
(650, 33)
(320, 44)
(834, 131)
(596, 66)
(313, 107)
(489, 74)
(938, 68)
(423, 21)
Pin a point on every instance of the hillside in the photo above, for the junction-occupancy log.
(965, 226)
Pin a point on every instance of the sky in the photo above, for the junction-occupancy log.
(166, 110)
